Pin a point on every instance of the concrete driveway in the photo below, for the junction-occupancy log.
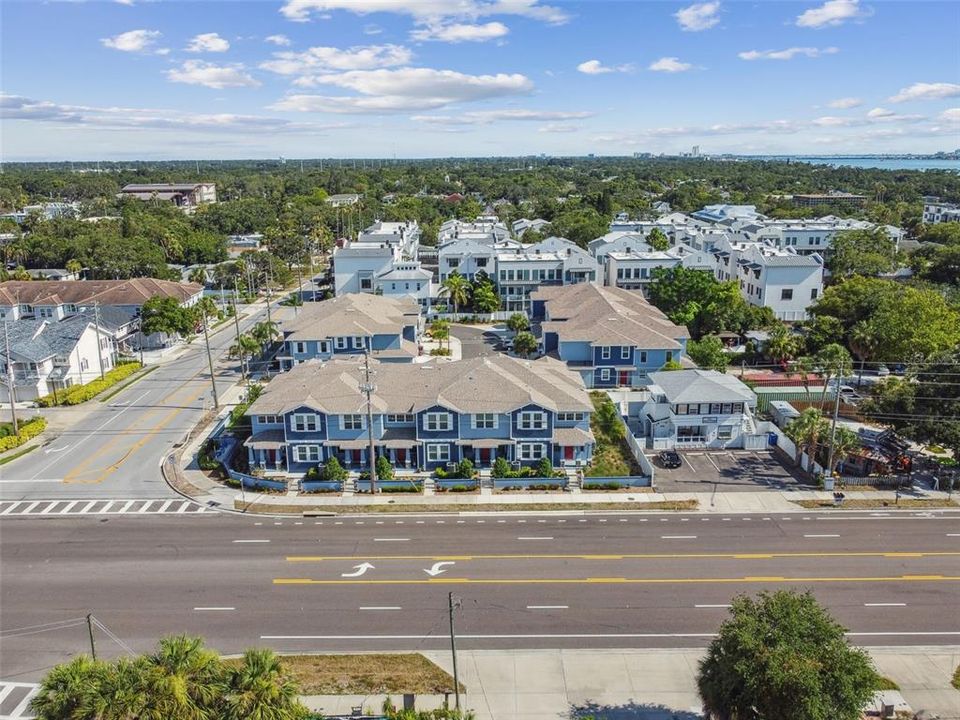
(728, 471)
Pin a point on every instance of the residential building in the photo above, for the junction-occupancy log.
(53, 274)
(830, 198)
(694, 408)
(768, 276)
(936, 210)
(719, 213)
(467, 257)
(424, 415)
(612, 337)
(554, 261)
(183, 195)
(520, 226)
(406, 279)
(343, 199)
(47, 356)
(386, 327)
(45, 211)
(618, 241)
(634, 270)
(404, 237)
(487, 229)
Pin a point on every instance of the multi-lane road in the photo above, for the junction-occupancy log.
(113, 449)
(371, 583)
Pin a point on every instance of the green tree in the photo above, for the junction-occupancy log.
(657, 239)
(822, 330)
(485, 298)
(333, 471)
(708, 353)
(862, 252)
(384, 468)
(545, 467)
(198, 275)
(73, 266)
(833, 362)
(457, 288)
(440, 331)
(608, 419)
(844, 442)
(524, 344)
(781, 345)
(259, 689)
(696, 299)
(782, 657)
(264, 332)
(21, 274)
(580, 225)
(501, 468)
(807, 432)
(244, 347)
(518, 323)
(69, 690)
(161, 314)
(181, 679)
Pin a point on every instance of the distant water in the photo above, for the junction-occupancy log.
(880, 163)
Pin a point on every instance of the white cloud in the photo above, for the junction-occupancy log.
(281, 40)
(595, 67)
(831, 13)
(485, 117)
(132, 40)
(845, 103)
(950, 115)
(700, 16)
(460, 32)
(20, 108)
(428, 10)
(927, 91)
(208, 42)
(403, 90)
(558, 128)
(321, 60)
(371, 29)
(198, 72)
(788, 54)
(879, 112)
(670, 65)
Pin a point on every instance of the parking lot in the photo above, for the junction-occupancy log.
(728, 471)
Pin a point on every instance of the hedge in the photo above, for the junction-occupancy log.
(81, 393)
(28, 430)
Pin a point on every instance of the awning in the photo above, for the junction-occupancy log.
(572, 437)
(347, 444)
(484, 443)
(266, 440)
(397, 438)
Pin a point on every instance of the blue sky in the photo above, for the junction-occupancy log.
(418, 78)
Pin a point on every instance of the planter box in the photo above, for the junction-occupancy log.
(472, 484)
(627, 480)
(364, 485)
(320, 485)
(560, 482)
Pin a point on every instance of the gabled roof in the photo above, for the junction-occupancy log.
(354, 314)
(134, 291)
(496, 384)
(37, 340)
(687, 386)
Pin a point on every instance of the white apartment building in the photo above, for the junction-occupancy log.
(404, 237)
(468, 257)
(555, 261)
(618, 241)
(523, 224)
(781, 279)
(485, 229)
(634, 270)
(406, 279)
(936, 210)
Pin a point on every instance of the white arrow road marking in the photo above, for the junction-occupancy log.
(437, 568)
(56, 450)
(359, 570)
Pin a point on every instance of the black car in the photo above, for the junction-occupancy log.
(670, 459)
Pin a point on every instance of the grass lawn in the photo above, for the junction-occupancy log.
(872, 504)
(611, 455)
(519, 507)
(366, 674)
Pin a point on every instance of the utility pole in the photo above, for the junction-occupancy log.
(96, 324)
(453, 604)
(11, 392)
(93, 645)
(833, 423)
(236, 322)
(367, 387)
(213, 379)
(269, 321)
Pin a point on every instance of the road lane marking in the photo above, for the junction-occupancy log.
(678, 537)
(30, 508)
(622, 580)
(889, 604)
(251, 541)
(381, 607)
(530, 537)
(49, 508)
(86, 508)
(548, 607)
(166, 504)
(110, 504)
(581, 636)
(624, 556)
(391, 539)
(953, 534)
(213, 609)
(821, 536)
(711, 606)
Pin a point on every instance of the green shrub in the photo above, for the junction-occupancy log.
(384, 469)
(237, 414)
(443, 352)
(205, 458)
(28, 430)
(501, 468)
(313, 473)
(465, 469)
(333, 471)
(401, 489)
(544, 467)
(81, 393)
(603, 486)
(460, 488)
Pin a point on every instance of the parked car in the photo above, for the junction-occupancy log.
(883, 371)
(670, 459)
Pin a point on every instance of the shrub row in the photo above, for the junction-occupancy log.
(28, 430)
(603, 486)
(81, 393)
(535, 486)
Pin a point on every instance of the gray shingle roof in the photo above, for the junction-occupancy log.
(354, 314)
(37, 340)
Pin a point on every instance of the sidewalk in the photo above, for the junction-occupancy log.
(635, 684)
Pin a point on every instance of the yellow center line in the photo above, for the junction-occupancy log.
(620, 580)
(626, 556)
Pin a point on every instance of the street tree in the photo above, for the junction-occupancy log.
(264, 332)
(708, 353)
(457, 288)
(161, 314)
(518, 322)
(524, 344)
(807, 431)
(844, 443)
(440, 331)
(782, 656)
(259, 688)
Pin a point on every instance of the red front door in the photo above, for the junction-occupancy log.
(568, 452)
(624, 377)
(271, 456)
(401, 456)
(484, 456)
(356, 457)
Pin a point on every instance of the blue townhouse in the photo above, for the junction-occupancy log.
(424, 415)
(388, 327)
(610, 336)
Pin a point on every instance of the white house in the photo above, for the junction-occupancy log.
(406, 279)
(402, 236)
(467, 257)
(523, 224)
(554, 261)
(355, 265)
(936, 210)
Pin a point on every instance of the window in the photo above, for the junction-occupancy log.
(268, 419)
(605, 353)
(366, 283)
(300, 347)
(306, 453)
(532, 421)
(351, 422)
(486, 421)
(481, 262)
(813, 293)
(358, 342)
(438, 453)
(304, 422)
(727, 408)
(605, 374)
(643, 356)
(738, 407)
(437, 421)
(786, 294)
(669, 356)
(399, 418)
(716, 408)
(624, 352)
(324, 346)
(341, 343)
(724, 432)
(681, 409)
(570, 417)
(531, 451)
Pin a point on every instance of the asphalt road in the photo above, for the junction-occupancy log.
(114, 449)
(523, 581)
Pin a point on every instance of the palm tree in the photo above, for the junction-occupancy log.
(457, 288)
(264, 332)
(198, 275)
(524, 344)
(68, 690)
(833, 361)
(182, 679)
(864, 344)
(807, 430)
(245, 345)
(804, 366)
(845, 441)
(74, 266)
(120, 694)
(781, 345)
(260, 689)
(518, 322)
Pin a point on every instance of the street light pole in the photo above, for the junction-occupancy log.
(236, 322)
(451, 605)
(833, 423)
(11, 392)
(213, 379)
(367, 387)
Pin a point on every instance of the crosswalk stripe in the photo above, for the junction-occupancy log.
(4, 691)
(69, 507)
(59, 508)
(86, 508)
(10, 509)
(184, 506)
(19, 710)
(107, 506)
(146, 506)
(163, 508)
(30, 507)
(49, 508)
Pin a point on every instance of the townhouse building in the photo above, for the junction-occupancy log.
(487, 229)
(183, 195)
(635, 270)
(520, 226)
(403, 237)
(47, 356)
(936, 210)
(612, 337)
(554, 261)
(694, 408)
(781, 279)
(468, 257)
(424, 415)
(386, 327)
(618, 241)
